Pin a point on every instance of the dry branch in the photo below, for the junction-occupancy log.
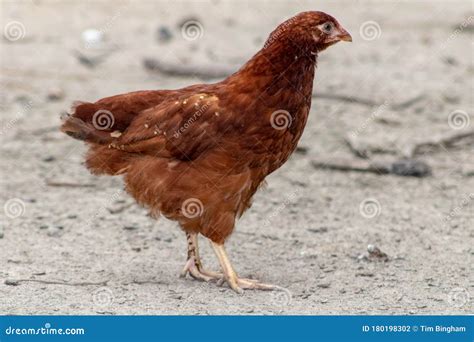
(345, 98)
(120, 209)
(15, 282)
(69, 185)
(199, 71)
(446, 141)
(400, 167)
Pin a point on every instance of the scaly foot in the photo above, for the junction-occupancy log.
(195, 270)
(193, 264)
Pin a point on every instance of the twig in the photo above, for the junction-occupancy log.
(43, 130)
(364, 151)
(143, 282)
(120, 209)
(344, 165)
(447, 141)
(345, 98)
(92, 61)
(15, 282)
(401, 167)
(200, 71)
(69, 185)
(356, 147)
(408, 103)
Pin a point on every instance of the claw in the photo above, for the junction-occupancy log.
(237, 284)
(194, 269)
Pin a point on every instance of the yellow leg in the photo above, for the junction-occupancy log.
(193, 264)
(237, 284)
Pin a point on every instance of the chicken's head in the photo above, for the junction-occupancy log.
(310, 31)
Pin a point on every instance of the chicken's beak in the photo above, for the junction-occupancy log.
(344, 36)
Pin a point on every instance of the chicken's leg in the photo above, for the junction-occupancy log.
(237, 284)
(193, 264)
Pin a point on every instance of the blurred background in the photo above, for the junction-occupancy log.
(340, 241)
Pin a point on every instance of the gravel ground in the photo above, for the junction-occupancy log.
(91, 250)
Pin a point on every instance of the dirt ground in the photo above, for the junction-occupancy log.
(90, 250)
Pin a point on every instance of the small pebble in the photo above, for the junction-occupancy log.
(49, 159)
(318, 230)
(450, 60)
(410, 167)
(12, 282)
(302, 150)
(373, 254)
(92, 37)
(55, 94)
(163, 34)
(55, 231)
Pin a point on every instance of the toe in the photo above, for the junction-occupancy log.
(255, 285)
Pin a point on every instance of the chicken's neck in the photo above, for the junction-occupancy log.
(280, 77)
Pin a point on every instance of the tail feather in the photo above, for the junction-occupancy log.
(100, 124)
(78, 129)
(95, 125)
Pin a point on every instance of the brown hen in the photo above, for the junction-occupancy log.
(197, 155)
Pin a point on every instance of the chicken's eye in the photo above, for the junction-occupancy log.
(327, 27)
